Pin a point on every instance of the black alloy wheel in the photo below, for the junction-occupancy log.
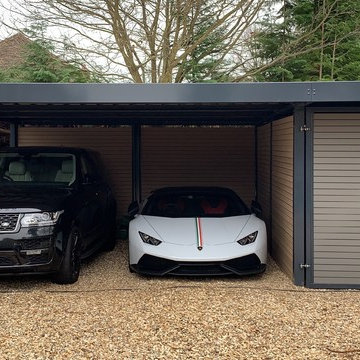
(70, 267)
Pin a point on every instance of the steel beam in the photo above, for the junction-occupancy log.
(13, 135)
(299, 196)
(136, 162)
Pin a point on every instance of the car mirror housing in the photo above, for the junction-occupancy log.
(133, 209)
(256, 208)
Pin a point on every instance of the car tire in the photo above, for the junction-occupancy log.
(70, 267)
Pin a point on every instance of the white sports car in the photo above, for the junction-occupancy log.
(196, 231)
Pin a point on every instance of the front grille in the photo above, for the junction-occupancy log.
(36, 243)
(156, 264)
(38, 259)
(245, 265)
(8, 222)
(200, 269)
(6, 261)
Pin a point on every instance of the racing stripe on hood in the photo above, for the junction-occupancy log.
(199, 236)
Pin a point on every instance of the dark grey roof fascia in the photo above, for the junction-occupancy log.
(296, 92)
(155, 93)
(336, 91)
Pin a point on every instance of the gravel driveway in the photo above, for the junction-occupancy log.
(112, 314)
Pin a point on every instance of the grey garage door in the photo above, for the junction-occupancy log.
(336, 200)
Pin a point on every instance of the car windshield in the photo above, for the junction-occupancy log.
(195, 204)
(29, 168)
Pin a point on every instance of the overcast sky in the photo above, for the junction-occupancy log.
(4, 15)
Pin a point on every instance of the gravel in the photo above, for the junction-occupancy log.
(113, 314)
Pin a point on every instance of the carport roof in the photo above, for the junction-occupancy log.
(225, 103)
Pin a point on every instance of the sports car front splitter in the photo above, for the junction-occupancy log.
(152, 265)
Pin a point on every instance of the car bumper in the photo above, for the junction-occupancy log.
(31, 250)
(246, 265)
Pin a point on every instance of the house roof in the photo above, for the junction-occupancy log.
(12, 50)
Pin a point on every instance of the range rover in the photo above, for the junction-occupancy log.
(56, 208)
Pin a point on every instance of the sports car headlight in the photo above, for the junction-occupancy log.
(248, 239)
(149, 239)
(40, 219)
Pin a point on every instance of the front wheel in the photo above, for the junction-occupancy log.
(70, 267)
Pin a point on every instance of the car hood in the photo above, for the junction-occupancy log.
(32, 199)
(183, 231)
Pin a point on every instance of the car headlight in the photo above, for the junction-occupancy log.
(40, 219)
(149, 239)
(248, 239)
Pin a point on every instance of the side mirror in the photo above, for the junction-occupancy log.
(133, 209)
(256, 208)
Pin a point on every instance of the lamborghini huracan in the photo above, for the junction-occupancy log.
(196, 231)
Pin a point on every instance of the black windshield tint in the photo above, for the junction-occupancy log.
(37, 168)
(199, 204)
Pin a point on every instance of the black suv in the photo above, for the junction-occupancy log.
(55, 210)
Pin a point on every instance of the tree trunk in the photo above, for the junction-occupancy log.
(321, 68)
(333, 58)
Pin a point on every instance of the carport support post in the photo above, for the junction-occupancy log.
(13, 135)
(299, 194)
(136, 162)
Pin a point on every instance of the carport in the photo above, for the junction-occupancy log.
(292, 146)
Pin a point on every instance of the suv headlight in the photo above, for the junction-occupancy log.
(149, 239)
(40, 219)
(248, 239)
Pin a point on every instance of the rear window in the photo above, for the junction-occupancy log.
(194, 205)
(37, 168)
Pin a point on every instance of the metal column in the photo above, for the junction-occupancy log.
(13, 135)
(299, 195)
(136, 162)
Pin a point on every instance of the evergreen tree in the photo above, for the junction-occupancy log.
(206, 63)
(41, 65)
(332, 52)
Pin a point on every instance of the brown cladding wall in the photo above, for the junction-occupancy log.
(336, 199)
(180, 156)
(263, 171)
(282, 193)
(114, 145)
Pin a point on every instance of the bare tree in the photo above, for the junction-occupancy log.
(150, 40)
(144, 40)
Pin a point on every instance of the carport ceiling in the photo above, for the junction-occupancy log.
(154, 114)
(161, 104)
